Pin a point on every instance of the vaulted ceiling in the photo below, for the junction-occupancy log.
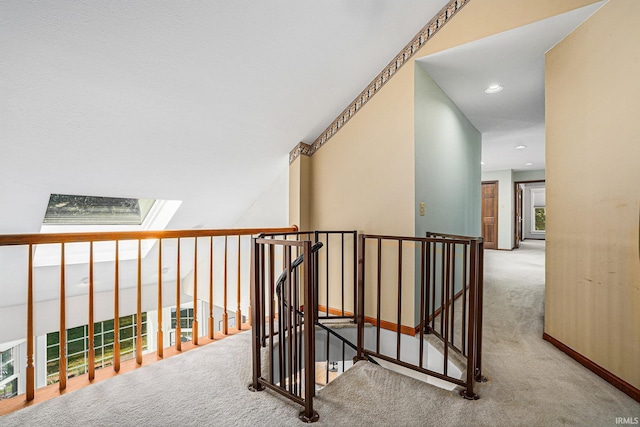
(514, 117)
(199, 102)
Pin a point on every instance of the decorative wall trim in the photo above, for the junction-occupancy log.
(612, 379)
(301, 148)
(438, 21)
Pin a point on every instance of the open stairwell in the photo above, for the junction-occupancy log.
(297, 335)
(338, 348)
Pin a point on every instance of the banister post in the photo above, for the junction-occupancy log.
(479, 313)
(309, 415)
(30, 337)
(472, 333)
(256, 305)
(360, 299)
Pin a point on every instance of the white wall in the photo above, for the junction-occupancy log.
(271, 209)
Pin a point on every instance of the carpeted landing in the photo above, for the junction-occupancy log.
(531, 382)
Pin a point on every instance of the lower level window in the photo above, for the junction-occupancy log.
(9, 389)
(540, 219)
(103, 340)
(8, 373)
(186, 321)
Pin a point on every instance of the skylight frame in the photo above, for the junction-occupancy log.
(158, 217)
(69, 209)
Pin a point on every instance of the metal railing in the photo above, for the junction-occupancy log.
(336, 280)
(288, 337)
(288, 307)
(291, 294)
(176, 248)
(445, 276)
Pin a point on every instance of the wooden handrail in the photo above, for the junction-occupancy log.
(62, 239)
(35, 239)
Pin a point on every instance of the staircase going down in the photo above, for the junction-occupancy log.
(317, 287)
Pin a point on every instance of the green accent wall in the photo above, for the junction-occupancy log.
(447, 173)
(447, 163)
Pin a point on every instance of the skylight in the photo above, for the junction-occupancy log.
(66, 209)
(92, 214)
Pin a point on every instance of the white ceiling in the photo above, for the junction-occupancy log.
(514, 59)
(199, 101)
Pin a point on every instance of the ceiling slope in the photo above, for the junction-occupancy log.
(198, 103)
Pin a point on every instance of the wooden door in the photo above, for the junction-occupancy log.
(518, 218)
(490, 214)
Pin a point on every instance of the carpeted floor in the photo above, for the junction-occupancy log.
(531, 382)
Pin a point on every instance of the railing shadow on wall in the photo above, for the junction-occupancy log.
(346, 282)
(120, 261)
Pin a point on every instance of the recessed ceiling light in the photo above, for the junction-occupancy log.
(528, 164)
(494, 88)
(482, 163)
(520, 147)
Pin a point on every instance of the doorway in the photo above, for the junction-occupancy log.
(490, 214)
(529, 211)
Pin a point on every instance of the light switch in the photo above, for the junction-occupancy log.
(421, 208)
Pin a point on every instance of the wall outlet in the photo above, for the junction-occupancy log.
(421, 208)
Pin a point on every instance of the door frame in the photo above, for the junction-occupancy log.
(495, 208)
(515, 207)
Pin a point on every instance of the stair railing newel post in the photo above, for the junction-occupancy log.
(316, 283)
(479, 296)
(257, 314)
(309, 415)
(472, 332)
(360, 300)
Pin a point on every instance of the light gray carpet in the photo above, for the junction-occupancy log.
(531, 382)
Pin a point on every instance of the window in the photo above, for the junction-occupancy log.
(103, 338)
(8, 373)
(71, 209)
(186, 321)
(91, 214)
(538, 210)
(540, 219)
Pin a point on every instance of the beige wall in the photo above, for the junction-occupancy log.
(363, 178)
(593, 198)
(299, 192)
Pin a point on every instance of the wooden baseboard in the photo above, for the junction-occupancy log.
(334, 311)
(390, 326)
(612, 379)
(408, 330)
